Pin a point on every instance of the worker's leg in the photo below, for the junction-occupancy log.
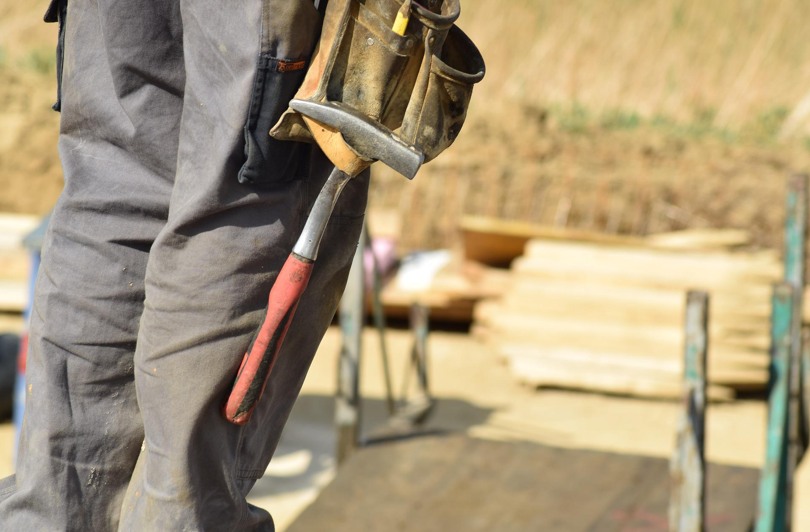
(212, 266)
(121, 109)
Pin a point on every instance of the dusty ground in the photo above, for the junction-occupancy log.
(477, 396)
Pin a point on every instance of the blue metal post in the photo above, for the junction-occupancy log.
(771, 514)
(795, 253)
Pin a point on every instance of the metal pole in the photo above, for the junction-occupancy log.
(347, 404)
(420, 326)
(687, 467)
(795, 251)
(771, 514)
(419, 408)
(379, 323)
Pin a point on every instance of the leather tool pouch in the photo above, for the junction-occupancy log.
(418, 84)
(441, 96)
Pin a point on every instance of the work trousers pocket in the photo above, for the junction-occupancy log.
(290, 29)
(270, 161)
(57, 12)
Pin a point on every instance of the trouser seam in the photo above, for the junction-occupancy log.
(249, 474)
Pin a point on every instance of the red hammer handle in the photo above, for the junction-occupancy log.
(261, 355)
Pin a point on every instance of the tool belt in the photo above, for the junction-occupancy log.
(417, 84)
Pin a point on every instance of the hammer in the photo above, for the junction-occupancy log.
(352, 142)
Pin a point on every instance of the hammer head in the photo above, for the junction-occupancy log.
(370, 139)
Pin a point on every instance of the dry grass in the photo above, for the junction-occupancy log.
(734, 63)
(624, 116)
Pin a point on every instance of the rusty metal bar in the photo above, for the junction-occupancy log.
(771, 512)
(687, 467)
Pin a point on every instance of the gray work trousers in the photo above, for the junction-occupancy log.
(177, 213)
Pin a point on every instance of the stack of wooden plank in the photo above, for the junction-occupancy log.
(608, 316)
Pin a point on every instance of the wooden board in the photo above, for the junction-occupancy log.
(14, 227)
(451, 295)
(441, 307)
(497, 242)
(587, 296)
(606, 337)
(608, 317)
(653, 270)
(453, 483)
(13, 296)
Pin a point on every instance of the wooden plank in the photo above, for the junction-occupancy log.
(497, 242)
(452, 294)
(722, 356)
(443, 307)
(13, 296)
(727, 322)
(542, 254)
(14, 261)
(720, 371)
(649, 340)
(577, 296)
(559, 373)
(768, 260)
(663, 341)
(571, 304)
(15, 265)
(700, 239)
(14, 227)
(647, 273)
(453, 483)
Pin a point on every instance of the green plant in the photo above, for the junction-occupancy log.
(766, 124)
(39, 60)
(573, 118)
(620, 119)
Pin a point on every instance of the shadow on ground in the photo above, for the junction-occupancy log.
(305, 457)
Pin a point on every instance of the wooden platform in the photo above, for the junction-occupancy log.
(449, 483)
